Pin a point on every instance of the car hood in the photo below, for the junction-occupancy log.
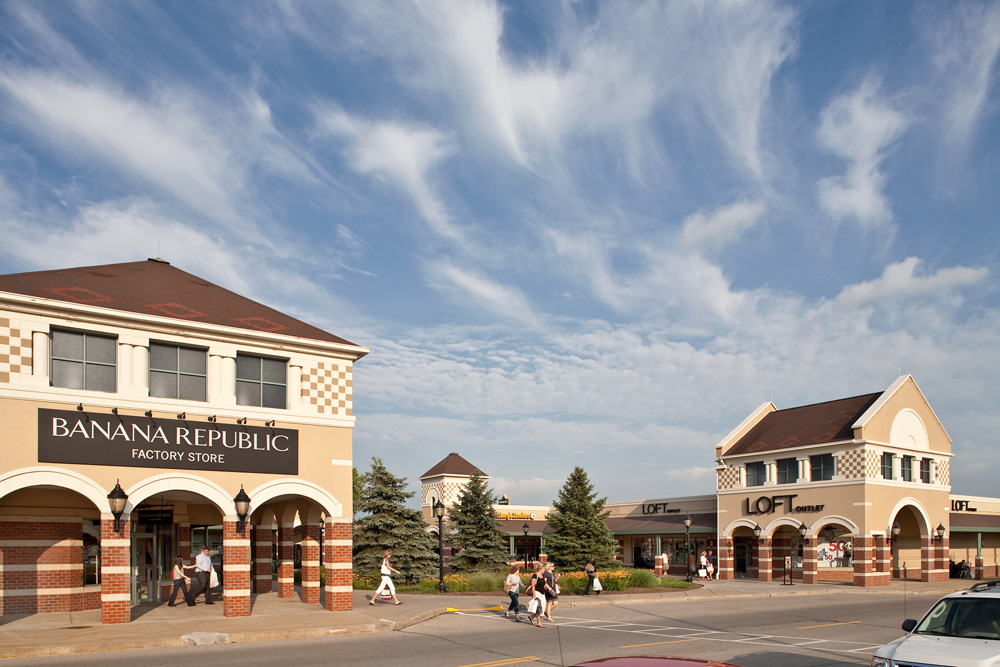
(951, 651)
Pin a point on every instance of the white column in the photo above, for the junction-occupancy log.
(222, 376)
(40, 357)
(293, 395)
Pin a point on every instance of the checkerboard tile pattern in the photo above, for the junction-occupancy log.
(944, 472)
(15, 350)
(873, 467)
(851, 464)
(729, 478)
(448, 491)
(328, 386)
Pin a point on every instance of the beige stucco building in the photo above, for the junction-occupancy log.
(142, 378)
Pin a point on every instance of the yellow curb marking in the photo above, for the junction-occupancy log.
(676, 641)
(498, 608)
(828, 625)
(497, 663)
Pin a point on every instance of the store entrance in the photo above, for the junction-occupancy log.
(741, 556)
(145, 568)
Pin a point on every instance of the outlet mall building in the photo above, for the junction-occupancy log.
(143, 408)
(855, 489)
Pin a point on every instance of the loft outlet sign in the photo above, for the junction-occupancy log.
(143, 442)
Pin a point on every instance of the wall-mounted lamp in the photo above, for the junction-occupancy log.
(182, 415)
(940, 533)
(270, 423)
(896, 529)
(242, 503)
(212, 419)
(242, 421)
(149, 413)
(757, 531)
(80, 407)
(117, 500)
(114, 411)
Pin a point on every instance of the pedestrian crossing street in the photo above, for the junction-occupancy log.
(635, 635)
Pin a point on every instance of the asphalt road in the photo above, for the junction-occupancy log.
(800, 631)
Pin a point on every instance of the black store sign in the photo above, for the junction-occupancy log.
(143, 442)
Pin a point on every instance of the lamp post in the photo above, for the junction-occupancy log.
(439, 513)
(687, 542)
(117, 500)
(803, 529)
(525, 528)
(896, 529)
(242, 503)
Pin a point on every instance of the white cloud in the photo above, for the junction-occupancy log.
(402, 155)
(905, 280)
(480, 291)
(860, 127)
(721, 227)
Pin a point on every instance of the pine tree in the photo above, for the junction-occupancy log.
(579, 525)
(475, 530)
(387, 524)
(359, 487)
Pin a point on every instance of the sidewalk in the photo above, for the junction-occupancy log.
(157, 626)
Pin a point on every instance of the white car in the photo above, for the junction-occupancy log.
(960, 630)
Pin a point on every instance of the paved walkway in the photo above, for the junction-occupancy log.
(158, 625)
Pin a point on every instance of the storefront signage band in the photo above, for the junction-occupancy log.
(516, 516)
(144, 442)
(962, 506)
(656, 508)
(770, 504)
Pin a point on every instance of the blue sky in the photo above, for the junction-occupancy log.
(576, 233)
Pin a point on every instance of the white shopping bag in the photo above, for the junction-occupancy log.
(533, 606)
(597, 584)
(213, 579)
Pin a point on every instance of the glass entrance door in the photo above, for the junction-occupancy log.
(145, 568)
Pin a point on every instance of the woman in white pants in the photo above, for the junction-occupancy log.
(387, 571)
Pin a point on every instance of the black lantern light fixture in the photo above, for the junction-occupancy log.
(896, 529)
(439, 514)
(242, 503)
(940, 533)
(182, 416)
(116, 501)
(803, 529)
(687, 542)
(757, 531)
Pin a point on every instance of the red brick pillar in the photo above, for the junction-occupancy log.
(883, 561)
(286, 561)
(311, 536)
(864, 548)
(810, 564)
(116, 593)
(727, 569)
(235, 570)
(183, 545)
(658, 566)
(764, 564)
(940, 553)
(926, 558)
(337, 543)
(263, 542)
(978, 572)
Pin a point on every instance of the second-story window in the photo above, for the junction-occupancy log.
(907, 469)
(177, 372)
(260, 381)
(756, 474)
(925, 471)
(821, 467)
(84, 361)
(886, 465)
(788, 471)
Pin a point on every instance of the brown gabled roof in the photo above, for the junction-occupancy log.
(154, 287)
(453, 464)
(806, 425)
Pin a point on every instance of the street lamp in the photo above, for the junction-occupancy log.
(687, 541)
(439, 513)
(525, 528)
(802, 545)
(117, 500)
(896, 530)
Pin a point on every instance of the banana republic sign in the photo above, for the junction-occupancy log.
(144, 442)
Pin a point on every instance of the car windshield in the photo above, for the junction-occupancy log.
(974, 618)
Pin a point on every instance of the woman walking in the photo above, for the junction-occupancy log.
(537, 590)
(551, 590)
(180, 583)
(512, 584)
(386, 571)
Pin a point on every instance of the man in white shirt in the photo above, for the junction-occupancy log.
(203, 570)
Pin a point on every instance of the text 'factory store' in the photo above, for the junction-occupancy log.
(149, 413)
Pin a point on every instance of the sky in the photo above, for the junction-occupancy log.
(593, 234)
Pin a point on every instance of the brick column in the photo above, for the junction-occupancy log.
(810, 565)
(286, 561)
(926, 558)
(658, 566)
(764, 565)
(978, 572)
(116, 594)
(727, 568)
(864, 549)
(263, 541)
(184, 545)
(337, 543)
(312, 534)
(939, 550)
(235, 570)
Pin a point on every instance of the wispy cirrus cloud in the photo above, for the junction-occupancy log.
(860, 127)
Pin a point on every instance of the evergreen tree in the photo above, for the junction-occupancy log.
(475, 530)
(359, 487)
(387, 524)
(579, 525)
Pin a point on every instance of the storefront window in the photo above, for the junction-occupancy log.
(177, 372)
(756, 474)
(886, 465)
(907, 470)
(260, 381)
(821, 467)
(91, 559)
(836, 552)
(925, 471)
(788, 471)
(83, 361)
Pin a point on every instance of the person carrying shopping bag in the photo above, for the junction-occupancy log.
(512, 586)
(537, 589)
(386, 571)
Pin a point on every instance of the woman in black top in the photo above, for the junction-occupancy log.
(537, 589)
